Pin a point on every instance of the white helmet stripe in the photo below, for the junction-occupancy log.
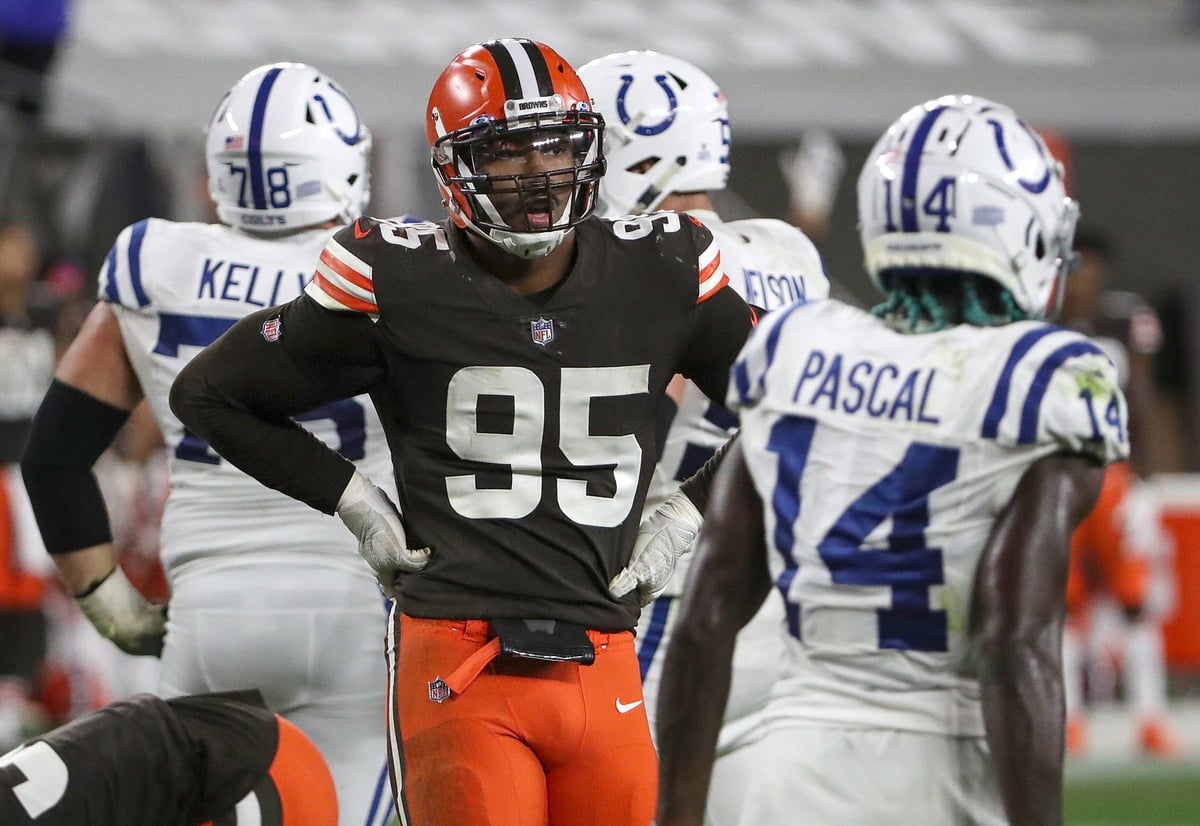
(523, 69)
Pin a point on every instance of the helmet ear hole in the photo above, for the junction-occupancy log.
(643, 166)
(1039, 247)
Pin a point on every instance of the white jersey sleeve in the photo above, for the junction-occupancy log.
(1056, 386)
(120, 281)
(748, 382)
(770, 263)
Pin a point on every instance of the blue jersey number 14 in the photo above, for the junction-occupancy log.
(907, 565)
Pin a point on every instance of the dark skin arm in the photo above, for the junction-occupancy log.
(1015, 632)
(723, 593)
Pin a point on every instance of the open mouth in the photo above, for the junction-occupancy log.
(539, 213)
(540, 220)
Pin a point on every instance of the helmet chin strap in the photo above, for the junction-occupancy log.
(527, 245)
(342, 199)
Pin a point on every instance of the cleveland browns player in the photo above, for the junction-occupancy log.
(213, 759)
(516, 353)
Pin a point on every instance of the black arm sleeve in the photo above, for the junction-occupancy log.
(697, 486)
(722, 324)
(70, 430)
(240, 393)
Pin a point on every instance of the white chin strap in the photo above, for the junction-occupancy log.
(527, 244)
(340, 196)
(521, 244)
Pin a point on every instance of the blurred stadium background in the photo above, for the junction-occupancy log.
(111, 132)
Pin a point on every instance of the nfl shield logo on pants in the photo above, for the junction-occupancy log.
(438, 690)
(542, 331)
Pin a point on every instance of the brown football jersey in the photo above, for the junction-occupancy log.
(522, 428)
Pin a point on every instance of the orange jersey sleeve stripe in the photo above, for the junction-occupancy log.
(342, 297)
(343, 270)
(712, 277)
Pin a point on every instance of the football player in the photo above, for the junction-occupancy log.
(264, 592)
(517, 353)
(210, 758)
(667, 139)
(1120, 554)
(907, 481)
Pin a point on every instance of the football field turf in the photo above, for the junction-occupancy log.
(1132, 793)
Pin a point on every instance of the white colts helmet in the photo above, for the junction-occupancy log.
(961, 183)
(667, 129)
(286, 149)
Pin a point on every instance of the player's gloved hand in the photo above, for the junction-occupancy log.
(120, 613)
(667, 535)
(375, 520)
(812, 172)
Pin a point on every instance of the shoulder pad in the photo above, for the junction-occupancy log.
(757, 358)
(1057, 386)
(344, 279)
(120, 279)
(710, 275)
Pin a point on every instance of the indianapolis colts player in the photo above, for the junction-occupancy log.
(907, 482)
(667, 144)
(265, 592)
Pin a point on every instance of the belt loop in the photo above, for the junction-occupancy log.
(471, 667)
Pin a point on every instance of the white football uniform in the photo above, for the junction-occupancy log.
(771, 264)
(265, 591)
(883, 461)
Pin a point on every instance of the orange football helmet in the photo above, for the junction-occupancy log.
(505, 96)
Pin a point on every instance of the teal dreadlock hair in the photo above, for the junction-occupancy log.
(928, 300)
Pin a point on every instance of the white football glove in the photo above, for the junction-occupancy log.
(375, 520)
(667, 535)
(120, 613)
(812, 172)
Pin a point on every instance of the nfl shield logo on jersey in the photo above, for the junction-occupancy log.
(272, 329)
(438, 690)
(542, 331)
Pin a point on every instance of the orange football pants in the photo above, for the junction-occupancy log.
(522, 742)
(1100, 560)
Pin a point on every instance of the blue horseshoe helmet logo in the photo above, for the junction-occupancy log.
(642, 129)
(351, 139)
(1034, 187)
